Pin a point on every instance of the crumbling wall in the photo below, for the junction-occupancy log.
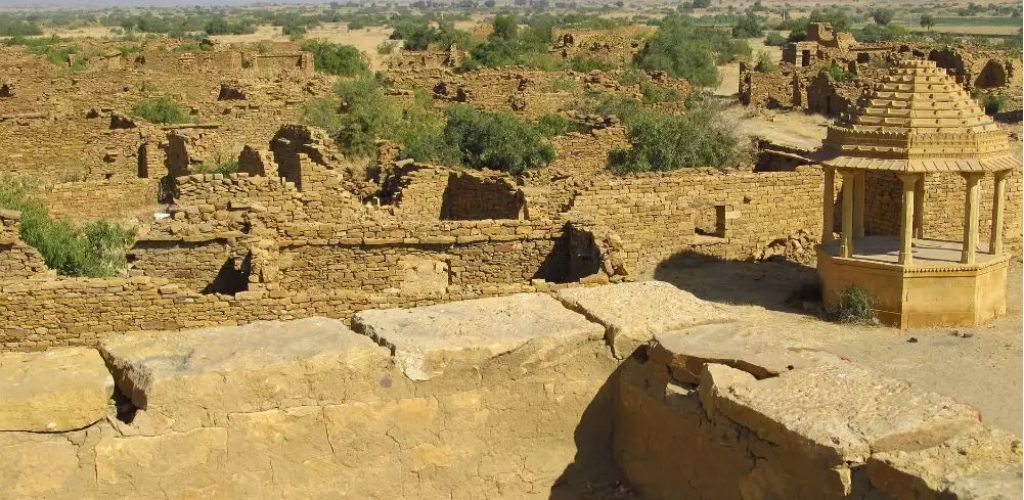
(424, 257)
(17, 259)
(102, 199)
(658, 216)
(471, 196)
(454, 399)
(715, 412)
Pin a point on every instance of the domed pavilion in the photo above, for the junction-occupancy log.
(915, 122)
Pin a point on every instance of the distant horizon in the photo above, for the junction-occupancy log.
(101, 4)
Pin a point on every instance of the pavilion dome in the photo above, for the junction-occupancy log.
(916, 119)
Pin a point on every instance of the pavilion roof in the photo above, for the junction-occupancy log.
(916, 119)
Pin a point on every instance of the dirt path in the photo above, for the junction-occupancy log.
(983, 370)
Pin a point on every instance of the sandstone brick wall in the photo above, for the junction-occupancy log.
(658, 216)
(102, 199)
(39, 314)
(212, 203)
(17, 260)
(370, 256)
(944, 199)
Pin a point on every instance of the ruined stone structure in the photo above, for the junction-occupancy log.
(17, 259)
(917, 122)
(802, 82)
(525, 396)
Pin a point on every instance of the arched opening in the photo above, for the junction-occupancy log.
(992, 75)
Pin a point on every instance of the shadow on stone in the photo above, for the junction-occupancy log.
(775, 284)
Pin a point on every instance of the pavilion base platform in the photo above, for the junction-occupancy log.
(936, 290)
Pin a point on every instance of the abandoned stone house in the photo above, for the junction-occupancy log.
(802, 82)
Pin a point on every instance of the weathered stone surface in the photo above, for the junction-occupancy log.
(53, 391)
(741, 346)
(633, 313)
(191, 464)
(926, 473)
(843, 413)
(426, 340)
(998, 485)
(195, 377)
(715, 379)
(36, 465)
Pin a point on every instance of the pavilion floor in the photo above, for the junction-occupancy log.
(927, 252)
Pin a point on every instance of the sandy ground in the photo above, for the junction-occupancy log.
(984, 369)
(793, 128)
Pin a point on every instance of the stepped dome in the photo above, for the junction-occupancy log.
(916, 119)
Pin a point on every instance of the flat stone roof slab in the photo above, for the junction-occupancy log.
(743, 346)
(633, 313)
(196, 375)
(425, 339)
(53, 391)
(844, 413)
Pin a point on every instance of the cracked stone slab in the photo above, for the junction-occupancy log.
(978, 463)
(194, 377)
(427, 340)
(53, 391)
(741, 346)
(844, 413)
(633, 313)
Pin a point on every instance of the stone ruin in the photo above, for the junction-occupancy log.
(634, 390)
(801, 82)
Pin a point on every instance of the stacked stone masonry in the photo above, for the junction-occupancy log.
(511, 397)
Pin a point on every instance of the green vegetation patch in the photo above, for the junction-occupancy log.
(336, 59)
(94, 249)
(163, 110)
(684, 49)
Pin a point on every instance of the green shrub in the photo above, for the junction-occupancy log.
(18, 27)
(361, 114)
(838, 73)
(94, 249)
(696, 138)
(225, 167)
(161, 109)
(992, 103)
(656, 94)
(555, 124)
(386, 47)
(855, 306)
(335, 59)
(588, 64)
(684, 49)
(764, 64)
(496, 140)
(748, 26)
(562, 84)
(774, 39)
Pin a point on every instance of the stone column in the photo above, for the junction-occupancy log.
(828, 207)
(998, 204)
(858, 204)
(907, 218)
(919, 207)
(970, 249)
(846, 243)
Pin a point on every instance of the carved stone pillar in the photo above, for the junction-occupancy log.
(973, 195)
(828, 207)
(846, 243)
(909, 182)
(998, 204)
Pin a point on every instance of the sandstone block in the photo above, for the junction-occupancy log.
(843, 413)
(970, 460)
(633, 313)
(745, 347)
(426, 340)
(53, 391)
(196, 377)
